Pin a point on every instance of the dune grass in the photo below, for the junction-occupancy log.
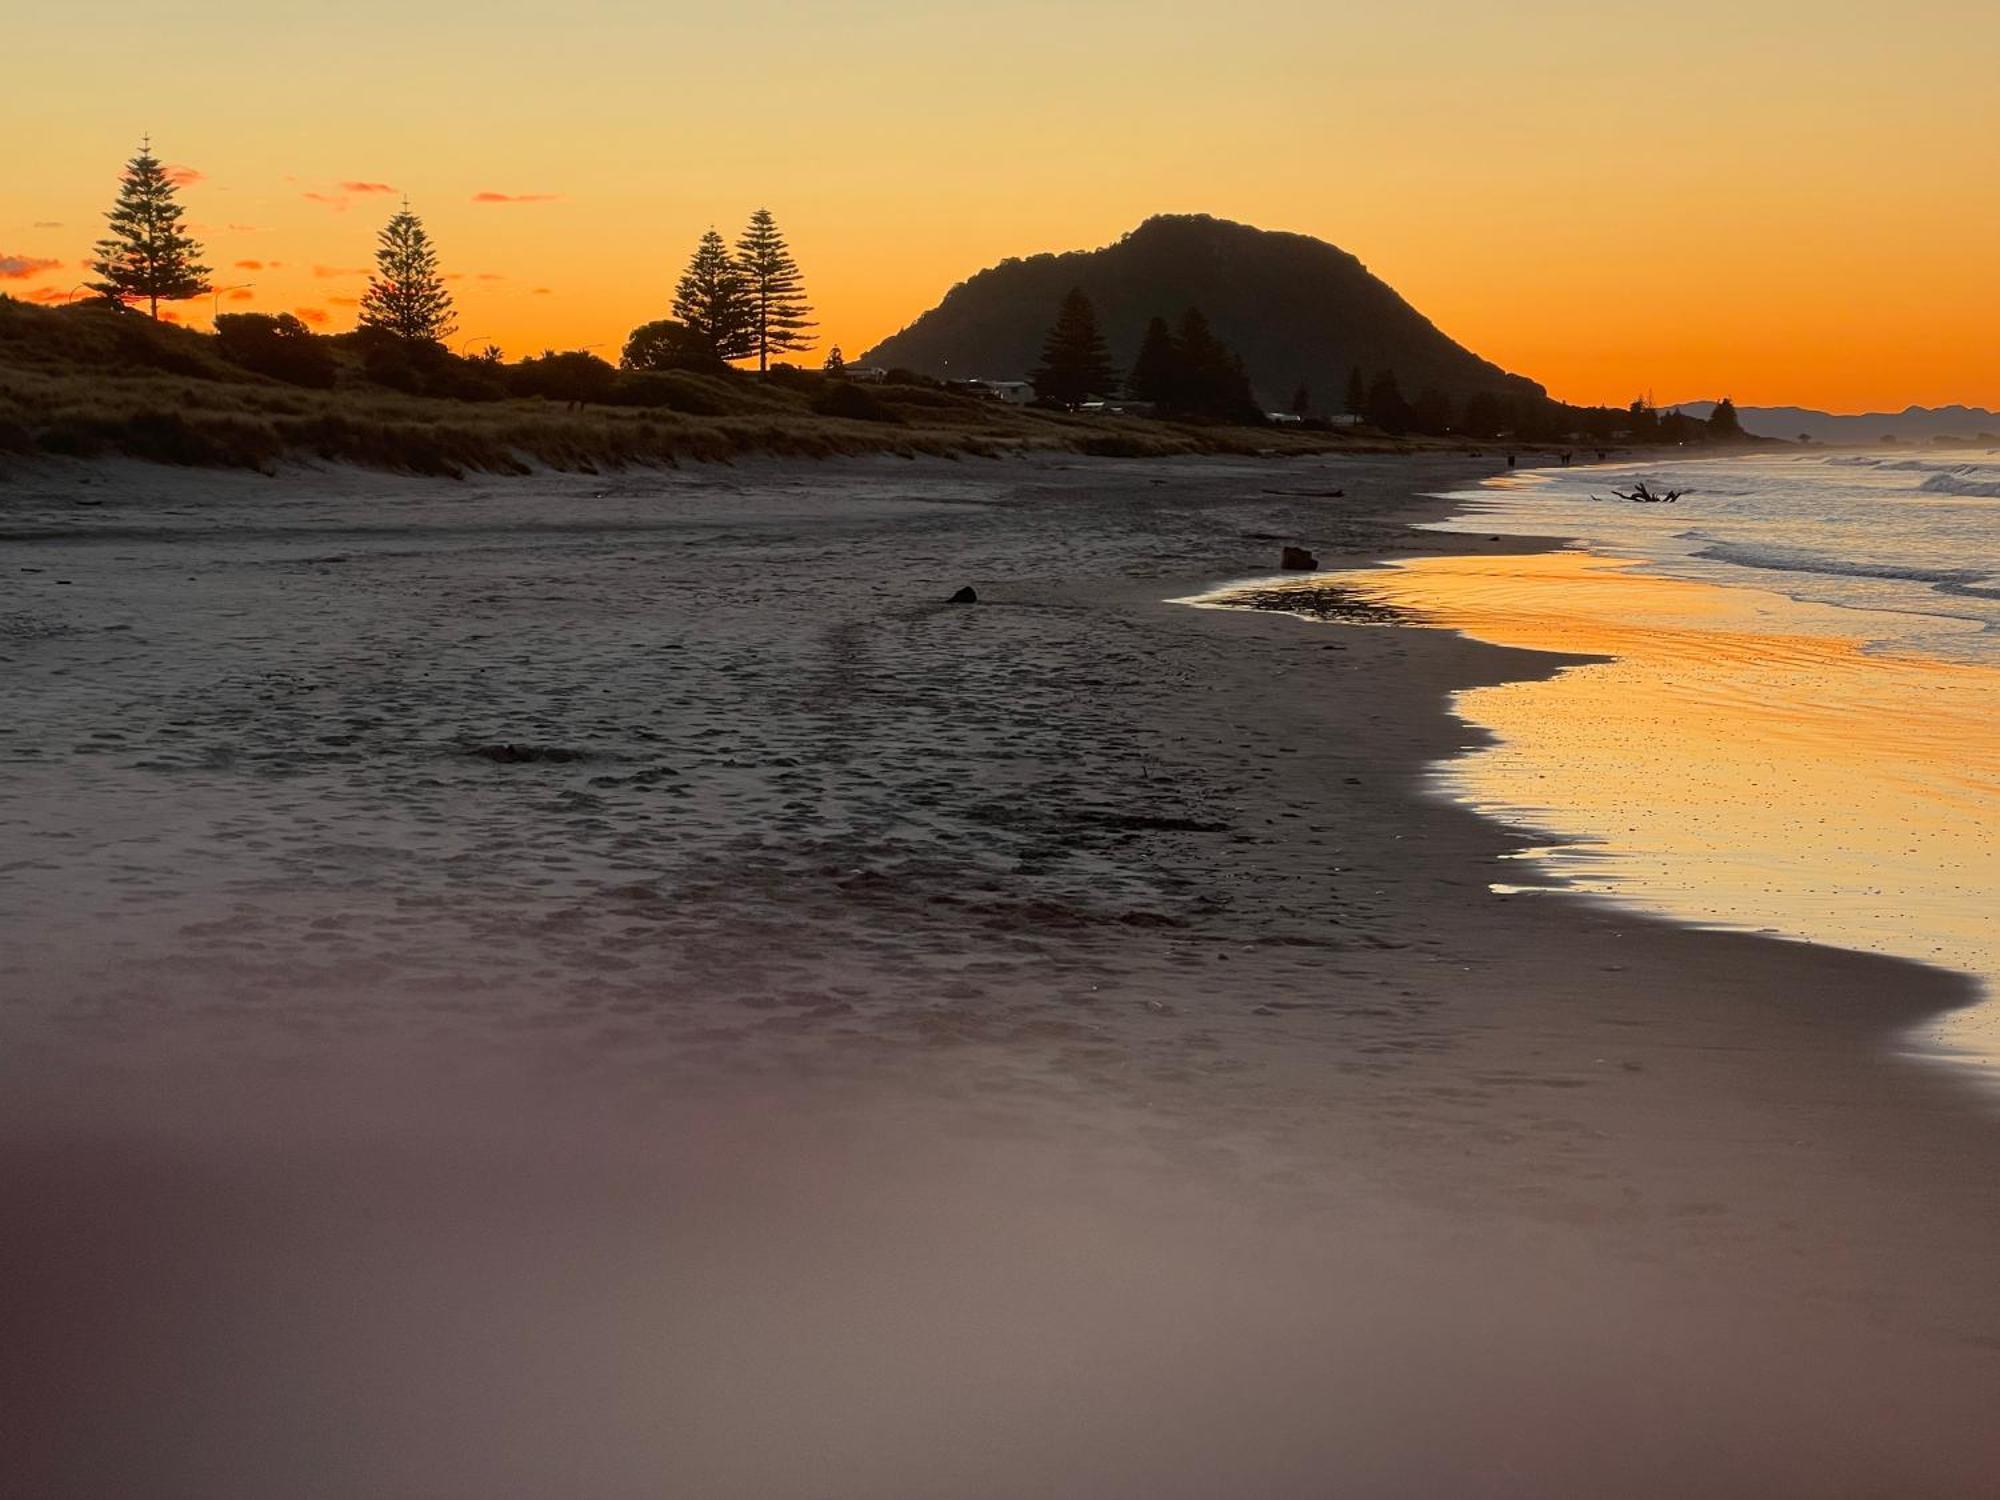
(88, 382)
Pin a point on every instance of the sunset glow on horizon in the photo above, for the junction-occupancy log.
(1782, 201)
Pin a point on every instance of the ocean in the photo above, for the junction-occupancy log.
(1775, 703)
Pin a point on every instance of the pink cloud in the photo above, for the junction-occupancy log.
(541, 291)
(22, 267)
(241, 294)
(47, 295)
(489, 276)
(345, 301)
(181, 176)
(314, 315)
(516, 197)
(366, 187)
(335, 201)
(327, 273)
(249, 265)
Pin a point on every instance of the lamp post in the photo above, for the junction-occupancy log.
(215, 303)
(462, 343)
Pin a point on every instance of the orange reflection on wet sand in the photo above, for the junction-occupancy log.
(1732, 756)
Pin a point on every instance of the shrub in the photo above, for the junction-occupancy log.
(842, 399)
(574, 375)
(281, 347)
(667, 345)
(670, 391)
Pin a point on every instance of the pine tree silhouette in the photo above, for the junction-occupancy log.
(406, 295)
(1075, 362)
(712, 302)
(148, 257)
(776, 291)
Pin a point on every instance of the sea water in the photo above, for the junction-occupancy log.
(1783, 712)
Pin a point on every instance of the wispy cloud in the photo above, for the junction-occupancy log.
(240, 294)
(314, 315)
(335, 201)
(366, 187)
(21, 267)
(48, 223)
(181, 176)
(251, 265)
(489, 276)
(48, 295)
(541, 291)
(328, 273)
(249, 229)
(345, 301)
(517, 197)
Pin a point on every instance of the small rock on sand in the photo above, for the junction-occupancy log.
(965, 596)
(1297, 560)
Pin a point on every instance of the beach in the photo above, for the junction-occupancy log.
(610, 985)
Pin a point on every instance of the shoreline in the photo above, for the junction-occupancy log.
(1611, 612)
(1123, 932)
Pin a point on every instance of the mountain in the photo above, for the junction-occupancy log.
(1914, 424)
(1295, 308)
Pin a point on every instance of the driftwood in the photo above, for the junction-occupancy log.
(1640, 495)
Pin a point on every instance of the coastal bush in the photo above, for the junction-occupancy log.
(660, 390)
(573, 375)
(668, 345)
(852, 402)
(281, 347)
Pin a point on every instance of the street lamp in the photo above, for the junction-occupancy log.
(215, 303)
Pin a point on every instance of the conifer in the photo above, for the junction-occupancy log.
(1075, 362)
(713, 304)
(148, 256)
(406, 295)
(775, 290)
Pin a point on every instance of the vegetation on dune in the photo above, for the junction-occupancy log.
(90, 381)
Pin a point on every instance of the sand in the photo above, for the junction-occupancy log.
(609, 986)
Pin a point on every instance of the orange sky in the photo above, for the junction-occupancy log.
(1786, 201)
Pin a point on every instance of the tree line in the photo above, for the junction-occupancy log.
(1182, 371)
(729, 306)
(1185, 371)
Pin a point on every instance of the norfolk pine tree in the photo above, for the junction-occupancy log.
(406, 295)
(713, 304)
(147, 257)
(775, 290)
(1075, 362)
(1156, 371)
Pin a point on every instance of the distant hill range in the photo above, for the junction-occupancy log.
(1913, 424)
(1295, 308)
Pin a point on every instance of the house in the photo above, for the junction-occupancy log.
(866, 374)
(1013, 392)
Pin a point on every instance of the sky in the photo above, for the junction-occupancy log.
(1786, 201)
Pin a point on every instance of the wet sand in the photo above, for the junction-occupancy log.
(609, 987)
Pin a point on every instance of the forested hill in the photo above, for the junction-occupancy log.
(1295, 308)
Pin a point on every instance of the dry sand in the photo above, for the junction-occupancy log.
(855, 1046)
